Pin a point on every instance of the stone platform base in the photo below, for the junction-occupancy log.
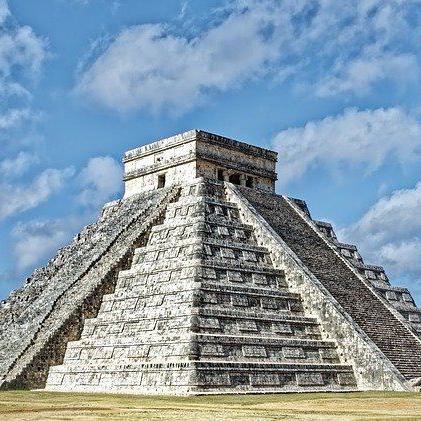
(190, 378)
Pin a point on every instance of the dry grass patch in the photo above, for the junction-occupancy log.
(26, 405)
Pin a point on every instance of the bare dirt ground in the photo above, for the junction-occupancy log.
(27, 405)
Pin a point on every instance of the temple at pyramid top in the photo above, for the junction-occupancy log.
(196, 153)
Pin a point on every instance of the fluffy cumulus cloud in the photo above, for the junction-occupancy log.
(97, 182)
(15, 198)
(22, 54)
(342, 48)
(361, 74)
(100, 180)
(378, 46)
(389, 233)
(150, 68)
(15, 117)
(361, 138)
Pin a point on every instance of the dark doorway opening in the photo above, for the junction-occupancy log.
(249, 182)
(221, 175)
(161, 181)
(235, 179)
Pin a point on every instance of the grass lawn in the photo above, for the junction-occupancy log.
(25, 405)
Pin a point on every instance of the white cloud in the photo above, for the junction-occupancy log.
(100, 180)
(21, 50)
(18, 198)
(339, 47)
(21, 47)
(403, 257)
(389, 233)
(360, 75)
(38, 239)
(22, 54)
(4, 11)
(146, 67)
(18, 165)
(360, 138)
(15, 117)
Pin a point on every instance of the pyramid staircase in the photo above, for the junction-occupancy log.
(37, 320)
(397, 297)
(396, 338)
(202, 309)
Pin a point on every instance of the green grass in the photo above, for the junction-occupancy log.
(26, 405)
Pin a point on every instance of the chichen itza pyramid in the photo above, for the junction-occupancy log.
(203, 280)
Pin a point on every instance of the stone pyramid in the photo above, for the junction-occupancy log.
(203, 280)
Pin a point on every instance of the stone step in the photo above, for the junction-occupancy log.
(239, 245)
(155, 338)
(255, 301)
(260, 290)
(258, 314)
(204, 205)
(207, 319)
(217, 264)
(372, 315)
(146, 313)
(204, 199)
(199, 244)
(144, 291)
(209, 364)
(188, 299)
(199, 225)
(201, 324)
(192, 249)
(341, 245)
(199, 266)
(240, 277)
(406, 307)
(211, 376)
(244, 350)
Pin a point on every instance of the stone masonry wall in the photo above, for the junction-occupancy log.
(201, 310)
(59, 301)
(35, 373)
(372, 369)
(398, 299)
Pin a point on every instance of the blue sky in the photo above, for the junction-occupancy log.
(333, 86)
